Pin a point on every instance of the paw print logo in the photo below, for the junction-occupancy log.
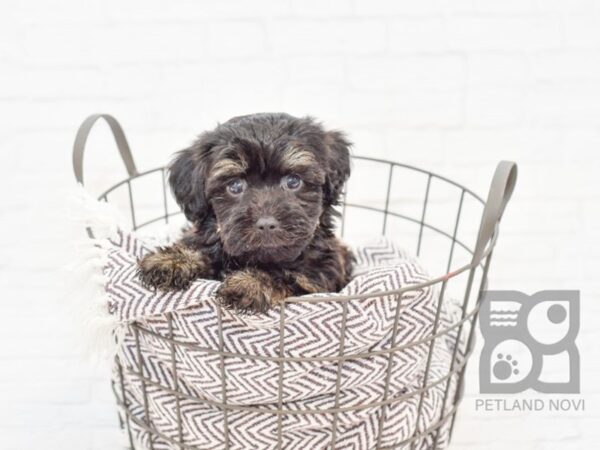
(527, 337)
(505, 367)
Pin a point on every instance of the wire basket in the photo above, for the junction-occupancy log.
(448, 226)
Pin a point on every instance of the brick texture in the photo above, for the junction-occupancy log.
(450, 85)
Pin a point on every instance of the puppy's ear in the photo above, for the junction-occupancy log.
(338, 149)
(186, 177)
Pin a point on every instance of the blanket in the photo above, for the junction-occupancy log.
(181, 373)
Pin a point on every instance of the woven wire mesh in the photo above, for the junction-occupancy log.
(435, 216)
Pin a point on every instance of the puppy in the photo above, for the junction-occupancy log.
(259, 191)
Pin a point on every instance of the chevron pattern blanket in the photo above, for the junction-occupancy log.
(182, 387)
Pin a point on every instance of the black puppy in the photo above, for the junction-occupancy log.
(259, 191)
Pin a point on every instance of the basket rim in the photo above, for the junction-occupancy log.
(360, 157)
(328, 297)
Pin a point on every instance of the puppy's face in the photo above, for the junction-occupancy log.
(267, 181)
(267, 204)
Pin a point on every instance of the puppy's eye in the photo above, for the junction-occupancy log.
(236, 186)
(291, 182)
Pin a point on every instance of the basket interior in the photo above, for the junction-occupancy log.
(428, 215)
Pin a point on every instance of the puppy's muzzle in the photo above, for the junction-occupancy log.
(266, 224)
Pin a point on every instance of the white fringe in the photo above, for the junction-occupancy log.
(101, 217)
(86, 300)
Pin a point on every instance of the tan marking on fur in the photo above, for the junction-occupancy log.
(228, 168)
(344, 256)
(306, 284)
(298, 157)
(176, 257)
(173, 267)
(251, 290)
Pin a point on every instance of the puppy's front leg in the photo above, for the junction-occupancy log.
(173, 268)
(253, 290)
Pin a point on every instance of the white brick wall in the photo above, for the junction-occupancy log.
(452, 85)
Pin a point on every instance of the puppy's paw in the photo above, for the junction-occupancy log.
(251, 291)
(172, 268)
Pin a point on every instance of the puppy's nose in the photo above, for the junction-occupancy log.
(267, 223)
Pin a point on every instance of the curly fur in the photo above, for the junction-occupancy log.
(298, 253)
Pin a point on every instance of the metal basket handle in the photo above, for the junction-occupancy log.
(501, 189)
(120, 140)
